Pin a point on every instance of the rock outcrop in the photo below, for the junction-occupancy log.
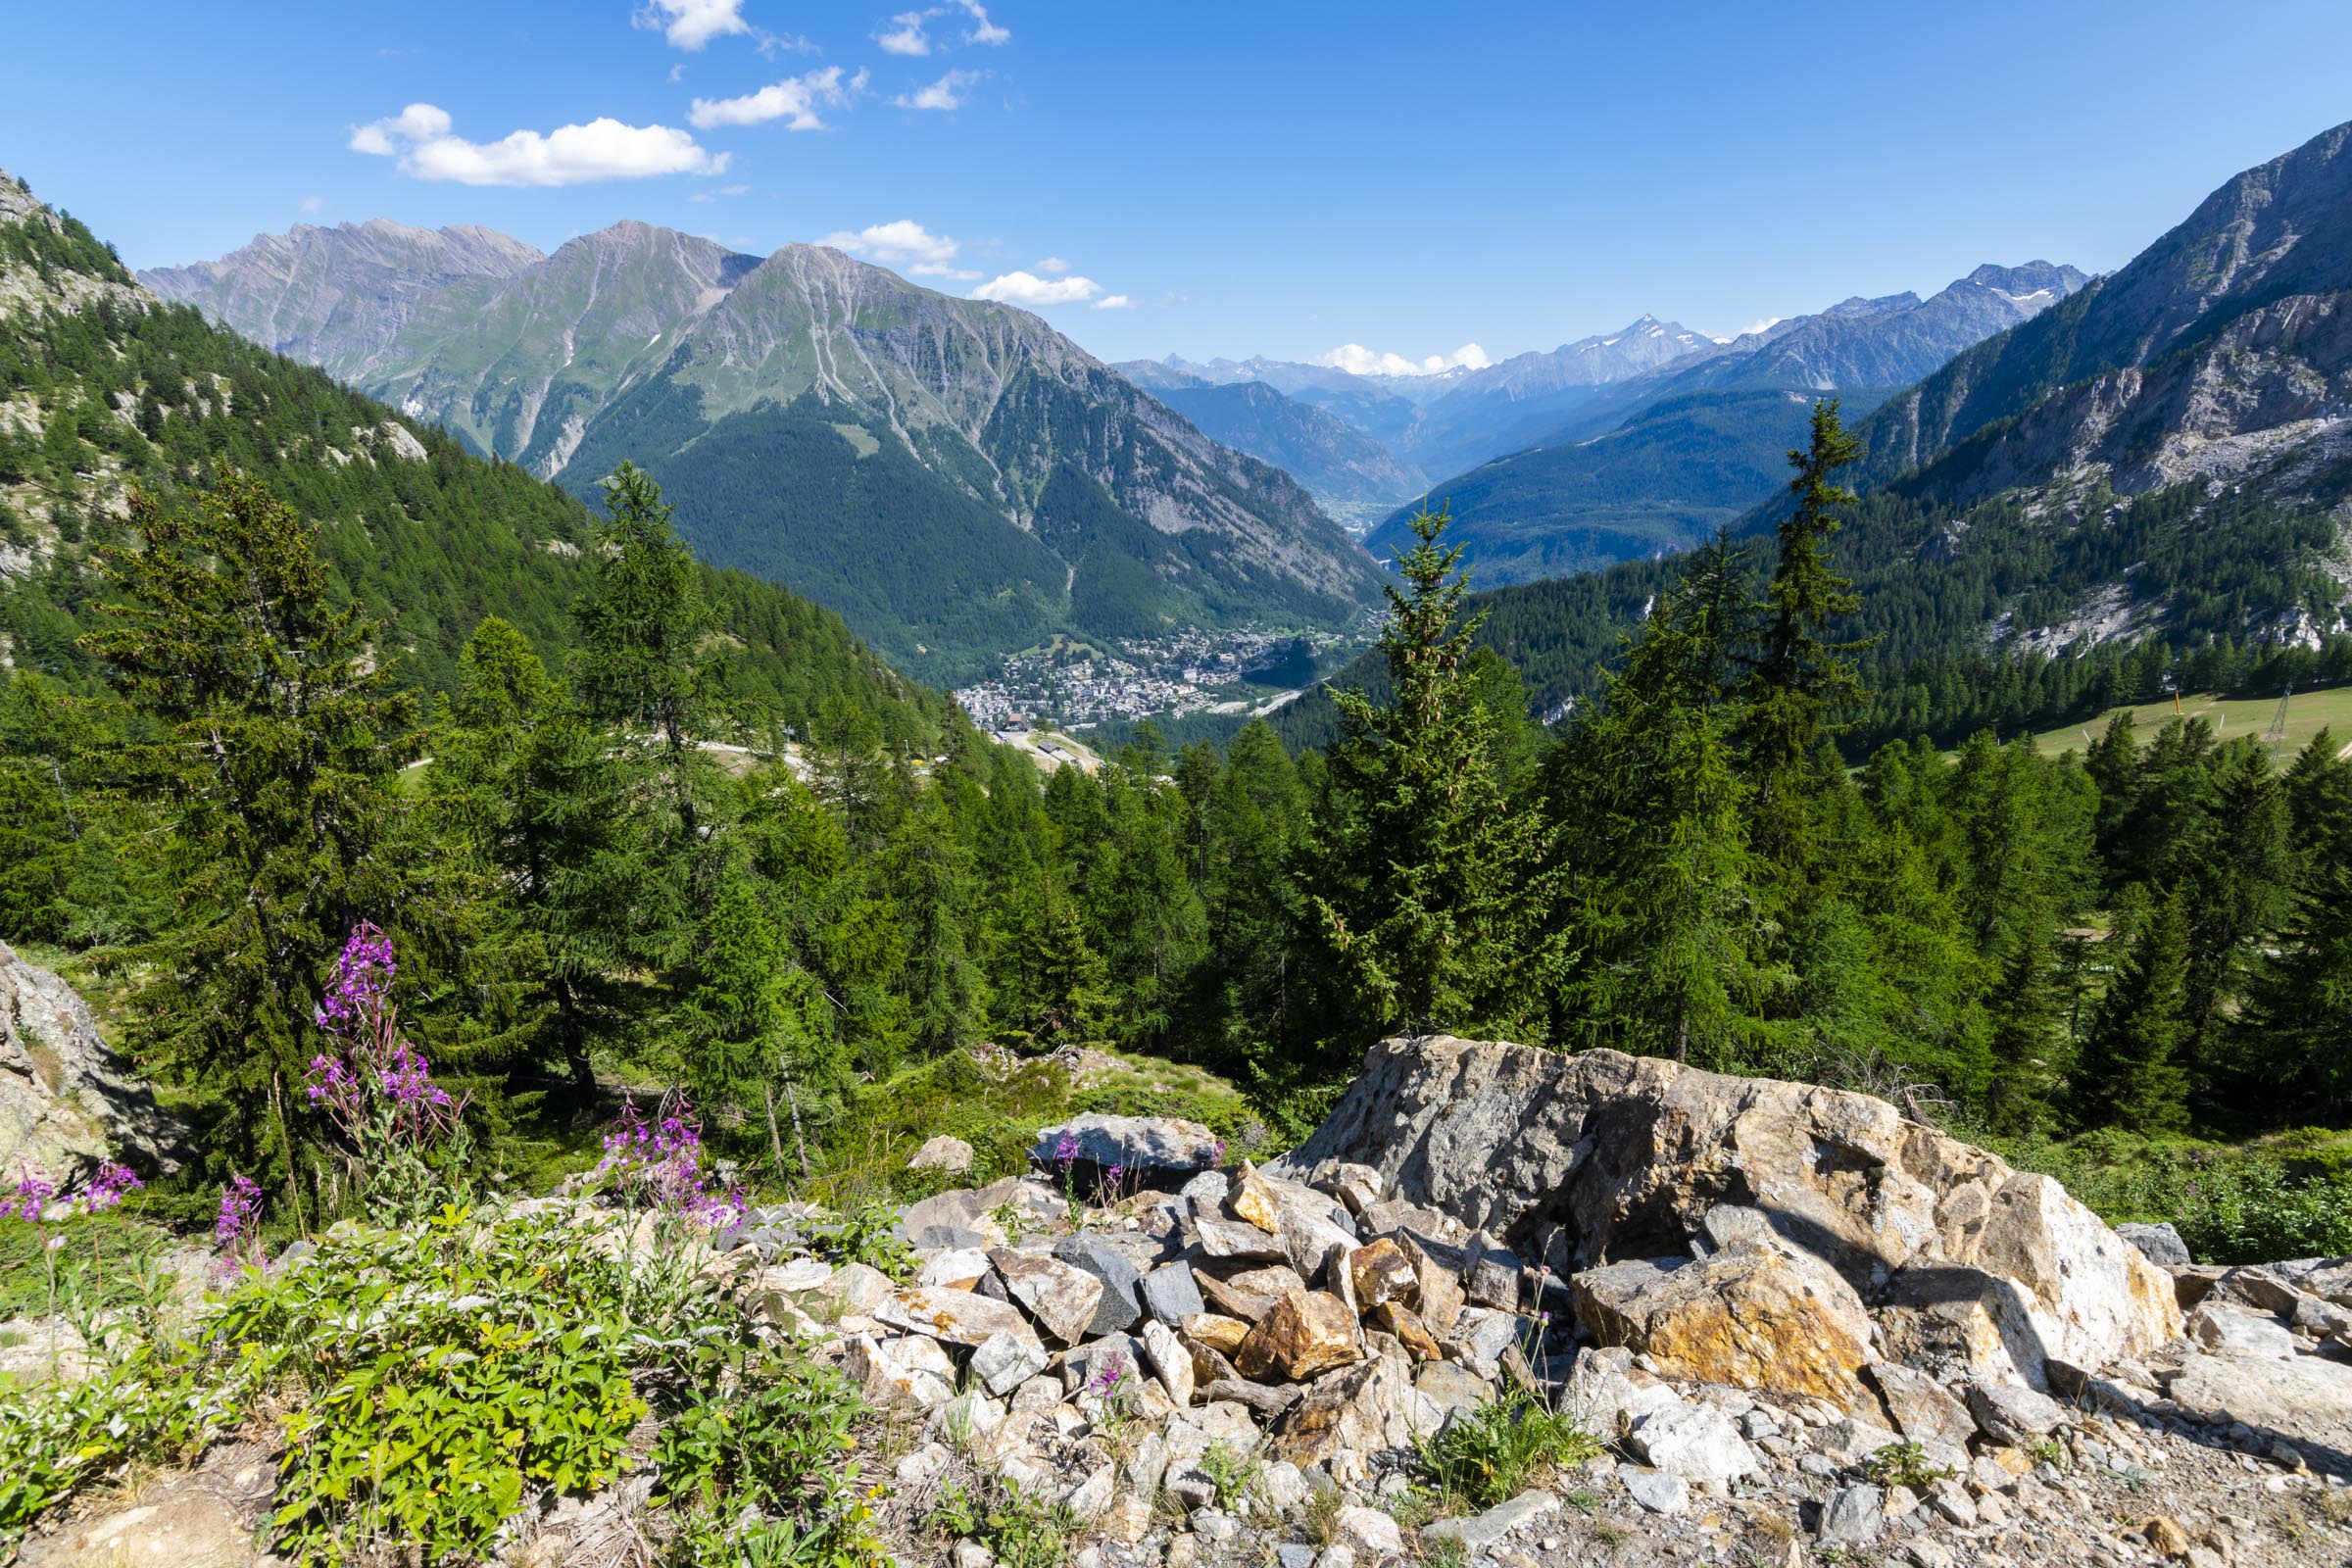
(67, 1101)
(1584, 1160)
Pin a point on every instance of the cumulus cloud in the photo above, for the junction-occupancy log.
(1027, 289)
(1357, 359)
(1054, 265)
(795, 100)
(906, 35)
(1115, 302)
(948, 92)
(418, 137)
(691, 23)
(899, 244)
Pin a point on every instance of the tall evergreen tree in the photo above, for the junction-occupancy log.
(1429, 885)
(2127, 1074)
(277, 729)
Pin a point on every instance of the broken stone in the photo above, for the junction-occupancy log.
(2226, 1330)
(885, 1383)
(1367, 1532)
(1118, 1308)
(1304, 1333)
(2012, 1413)
(794, 1277)
(1266, 1399)
(1215, 1330)
(1395, 1317)
(1170, 1293)
(1852, 1516)
(1100, 1362)
(1923, 1410)
(959, 1317)
(1003, 1361)
(1128, 1519)
(1492, 1277)
(1169, 1359)
(1062, 1297)
(2160, 1244)
(1381, 1273)
(1233, 1241)
(943, 1152)
(1251, 1196)
(1091, 1498)
(1437, 1289)
(1654, 1489)
(1487, 1528)
(1696, 1441)
(1250, 1293)
(955, 1269)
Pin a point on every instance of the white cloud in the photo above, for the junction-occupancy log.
(906, 35)
(569, 155)
(1357, 359)
(948, 92)
(905, 244)
(677, 72)
(1115, 302)
(691, 23)
(1027, 289)
(1054, 264)
(795, 100)
(314, 204)
(983, 30)
(715, 195)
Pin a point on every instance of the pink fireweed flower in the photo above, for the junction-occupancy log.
(108, 1188)
(240, 1210)
(362, 980)
(379, 1080)
(33, 1192)
(661, 1162)
(1066, 1153)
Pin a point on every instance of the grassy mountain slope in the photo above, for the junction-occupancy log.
(1352, 475)
(102, 386)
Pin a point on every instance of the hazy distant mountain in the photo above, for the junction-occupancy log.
(954, 475)
(1655, 462)
(1353, 475)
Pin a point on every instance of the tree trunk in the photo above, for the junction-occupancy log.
(794, 1101)
(775, 1143)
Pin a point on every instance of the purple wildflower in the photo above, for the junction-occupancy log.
(1106, 1381)
(362, 980)
(1066, 1153)
(1117, 1175)
(108, 1188)
(1218, 1157)
(378, 1078)
(662, 1161)
(240, 1210)
(33, 1192)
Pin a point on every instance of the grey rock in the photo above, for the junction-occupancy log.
(1696, 1441)
(950, 1238)
(1081, 1367)
(1294, 1555)
(1268, 1400)
(955, 1208)
(67, 1099)
(1213, 1526)
(1170, 1293)
(1190, 1486)
(1654, 1489)
(1065, 1299)
(943, 1152)
(2012, 1413)
(2159, 1243)
(1005, 1361)
(2223, 1330)
(1118, 1309)
(1489, 1528)
(1852, 1516)
(1206, 1191)
(1492, 1277)
(1235, 1240)
(1135, 1144)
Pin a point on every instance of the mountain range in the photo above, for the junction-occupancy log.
(104, 387)
(2165, 454)
(954, 476)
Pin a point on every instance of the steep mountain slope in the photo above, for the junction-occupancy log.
(2275, 234)
(955, 476)
(1658, 462)
(102, 386)
(1353, 477)
(339, 295)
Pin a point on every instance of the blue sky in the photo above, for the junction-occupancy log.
(1279, 178)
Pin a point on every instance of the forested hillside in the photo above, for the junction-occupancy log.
(104, 390)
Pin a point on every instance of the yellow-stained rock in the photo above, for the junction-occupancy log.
(1252, 1198)
(1752, 1316)
(1401, 1320)
(1215, 1330)
(1304, 1333)
(1380, 1272)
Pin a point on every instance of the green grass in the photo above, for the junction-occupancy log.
(2307, 713)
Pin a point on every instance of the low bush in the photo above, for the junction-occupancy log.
(1498, 1451)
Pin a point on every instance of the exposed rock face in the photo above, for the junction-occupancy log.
(65, 1096)
(1597, 1157)
(1133, 1144)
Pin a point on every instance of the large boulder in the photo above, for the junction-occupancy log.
(1597, 1157)
(65, 1099)
(1134, 1145)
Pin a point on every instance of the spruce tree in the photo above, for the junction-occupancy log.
(1430, 887)
(756, 1031)
(270, 730)
(1802, 683)
(2127, 1074)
